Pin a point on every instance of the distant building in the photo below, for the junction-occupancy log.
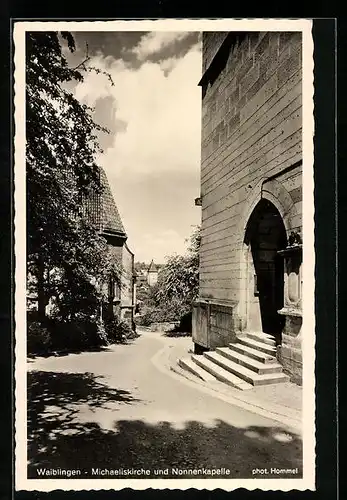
(152, 273)
(103, 211)
(141, 279)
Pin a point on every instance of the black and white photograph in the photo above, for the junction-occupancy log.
(164, 242)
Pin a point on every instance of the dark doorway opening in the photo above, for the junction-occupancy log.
(265, 236)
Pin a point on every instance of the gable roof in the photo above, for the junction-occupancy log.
(110, 218)
(102, 210)
(152, 267)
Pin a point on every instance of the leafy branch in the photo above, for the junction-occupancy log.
(90, 69)
(61, 166)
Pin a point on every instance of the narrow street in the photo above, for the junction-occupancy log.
(115, 409)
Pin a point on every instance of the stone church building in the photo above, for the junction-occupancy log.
(251, 202)
(103, 211)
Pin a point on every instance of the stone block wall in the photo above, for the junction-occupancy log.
(211, 43)
(289, 354)
(251, 129)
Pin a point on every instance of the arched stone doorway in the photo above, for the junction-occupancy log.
(265, 235)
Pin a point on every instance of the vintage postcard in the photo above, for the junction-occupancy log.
(164, 242)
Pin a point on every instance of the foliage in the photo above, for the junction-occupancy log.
(178, 280)
(101, 332)
(55, 335)
(68, 261)
(159, 314)
(140, 266)
(142, 292)
(118, 330)
(38, 338)
(170, 299)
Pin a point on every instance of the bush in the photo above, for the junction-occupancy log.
(118, 330)
(185, 325)
(38, 338)
(125, 331)
(74, 335)
(56, 335)
(171, 313)
(101, 332)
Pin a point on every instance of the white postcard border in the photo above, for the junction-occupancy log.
(308, 480)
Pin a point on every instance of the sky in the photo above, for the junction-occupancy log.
(153, 111)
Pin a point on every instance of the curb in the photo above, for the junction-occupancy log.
(284, 414)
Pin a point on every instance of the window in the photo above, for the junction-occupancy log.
(256, 291)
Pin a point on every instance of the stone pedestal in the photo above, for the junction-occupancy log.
(213, 323)
(289, 352)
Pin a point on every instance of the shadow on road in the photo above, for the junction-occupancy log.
(56, 439)
(91, 349)
(176, 334)
(62, 353)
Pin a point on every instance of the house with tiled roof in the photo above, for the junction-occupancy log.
(103, 211)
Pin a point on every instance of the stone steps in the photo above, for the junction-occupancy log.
(220, 373)
(257, 344)
(253, 353)
(262, 337)
(244, 364)
(247, 362)
(246, 374)
(192, 367)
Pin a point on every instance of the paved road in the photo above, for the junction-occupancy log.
(114, 409)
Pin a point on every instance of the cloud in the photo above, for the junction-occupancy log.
(153, 159)
(106, 115)
(156, 41)
(160, 105)
(94, 87)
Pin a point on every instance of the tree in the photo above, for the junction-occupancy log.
(178, 280)
(170, 299)
(68, 260)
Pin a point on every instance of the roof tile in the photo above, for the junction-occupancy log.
(102, 208)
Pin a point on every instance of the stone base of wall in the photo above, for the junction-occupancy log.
(213, 324)
(289, 353)
(291, 360)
